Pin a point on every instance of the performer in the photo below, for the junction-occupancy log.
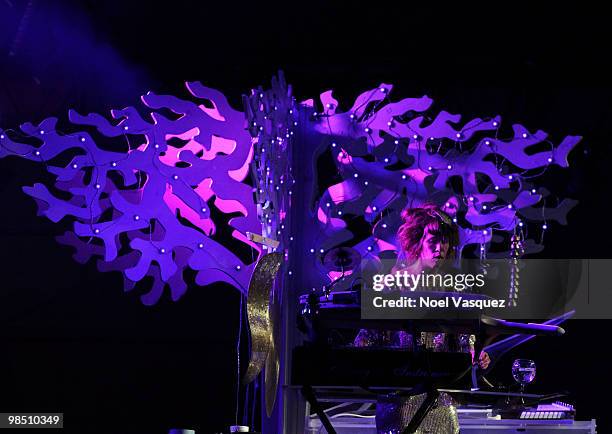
(427, 238)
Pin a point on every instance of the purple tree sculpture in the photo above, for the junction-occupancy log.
(153, 201)
(147, 211)
(390, 155)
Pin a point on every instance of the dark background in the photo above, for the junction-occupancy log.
(72, 341)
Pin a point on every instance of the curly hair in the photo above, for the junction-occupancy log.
(426, 217)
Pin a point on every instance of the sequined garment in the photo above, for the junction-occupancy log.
(394, 412)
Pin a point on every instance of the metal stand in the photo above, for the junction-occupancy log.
(312, 400)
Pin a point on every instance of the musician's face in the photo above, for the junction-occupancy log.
(433, 250)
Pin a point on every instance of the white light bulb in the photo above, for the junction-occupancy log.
(449, 167)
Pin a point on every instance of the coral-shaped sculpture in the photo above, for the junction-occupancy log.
(170, 200)
(389, 155)
(155, 209)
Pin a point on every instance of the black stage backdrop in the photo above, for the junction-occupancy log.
(72, 341)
